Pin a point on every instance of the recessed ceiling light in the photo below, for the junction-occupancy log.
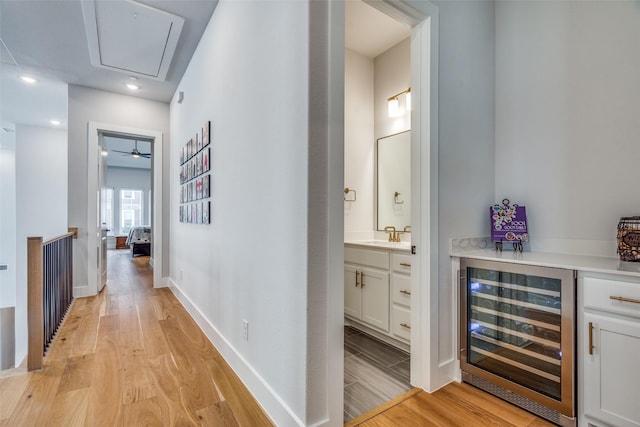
(28, 79)
(55, 122)
(132, 86)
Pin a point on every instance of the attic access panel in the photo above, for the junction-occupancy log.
(130, 37)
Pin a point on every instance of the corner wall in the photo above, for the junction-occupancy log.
(359, 153)
(92, 105)
(465, 144)
(567, 103)
(41, 196)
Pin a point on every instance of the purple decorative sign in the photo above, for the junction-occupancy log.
(508, 223)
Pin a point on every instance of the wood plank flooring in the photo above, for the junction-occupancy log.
(130, 356)
(453, 405)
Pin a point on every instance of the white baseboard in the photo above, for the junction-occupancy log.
(271, 403)
(83, 291)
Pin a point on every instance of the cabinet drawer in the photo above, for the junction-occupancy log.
(401, 323)
(401, 289)
(371, 258)
(401, 262)
(616, 296)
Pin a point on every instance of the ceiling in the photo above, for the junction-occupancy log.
(369, 31)
(48, 39)
(121, 160)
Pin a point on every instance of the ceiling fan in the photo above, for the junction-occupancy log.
(134, 153)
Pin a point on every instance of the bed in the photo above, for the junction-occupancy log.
(139, 240)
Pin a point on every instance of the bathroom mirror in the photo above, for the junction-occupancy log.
(394, 181)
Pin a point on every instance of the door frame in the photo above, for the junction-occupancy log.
(423, 17)
(95, 129)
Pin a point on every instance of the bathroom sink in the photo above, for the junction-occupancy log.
(383, 244)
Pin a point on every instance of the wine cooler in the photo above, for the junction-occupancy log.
(517, 335)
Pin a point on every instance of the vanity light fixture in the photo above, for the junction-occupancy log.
(393, 108)
(393, 103)
(28, 79)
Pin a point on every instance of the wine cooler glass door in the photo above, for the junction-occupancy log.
(516, 328)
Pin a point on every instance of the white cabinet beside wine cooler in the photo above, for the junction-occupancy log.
(609, 342)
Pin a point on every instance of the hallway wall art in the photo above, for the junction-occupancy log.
(195, 178)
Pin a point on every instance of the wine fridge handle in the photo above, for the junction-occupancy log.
(590, 337)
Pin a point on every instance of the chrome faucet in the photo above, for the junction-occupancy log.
(393, 234)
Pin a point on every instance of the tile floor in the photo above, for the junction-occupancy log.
(374, 373)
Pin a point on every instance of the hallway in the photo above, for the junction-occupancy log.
(127, 357)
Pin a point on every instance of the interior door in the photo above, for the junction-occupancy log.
(101, 220)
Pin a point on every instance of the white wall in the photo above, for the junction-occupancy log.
(465, 148)
(368, 85)
(250, 77)
(129, 178)
(7, 248)
(392, 75)
(567, 103)
(359, 143)
(8, 219)
(91, 105)
(41, 200)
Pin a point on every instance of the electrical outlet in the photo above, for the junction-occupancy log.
(245, 329)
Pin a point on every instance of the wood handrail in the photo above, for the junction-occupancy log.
(73, 234)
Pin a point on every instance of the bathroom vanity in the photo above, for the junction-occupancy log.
(377, 289)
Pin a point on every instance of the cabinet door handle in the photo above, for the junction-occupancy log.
(590, 337)
(362, 279)
(357, 277)
(402, 291)
(405, 264)
(623, 299)
(404, 325)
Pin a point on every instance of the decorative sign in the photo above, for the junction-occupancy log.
(509, 224)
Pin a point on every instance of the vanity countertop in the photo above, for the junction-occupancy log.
(607, 265)
(380, 244)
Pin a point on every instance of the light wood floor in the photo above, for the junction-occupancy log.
(130, 356)
(453, 405)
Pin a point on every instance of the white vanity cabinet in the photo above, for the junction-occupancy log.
(377, 292)
(366, 295)
(609, 350)
(401, 296)
(366, 287)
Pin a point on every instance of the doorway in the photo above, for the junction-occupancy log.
(422, 16)
(377, 72)
(98, 134)
(126, 194)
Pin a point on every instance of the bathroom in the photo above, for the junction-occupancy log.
(377, 208)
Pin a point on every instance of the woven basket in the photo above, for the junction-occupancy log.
(629, 238)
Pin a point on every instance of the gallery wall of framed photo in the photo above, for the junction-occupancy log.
(195, 178)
